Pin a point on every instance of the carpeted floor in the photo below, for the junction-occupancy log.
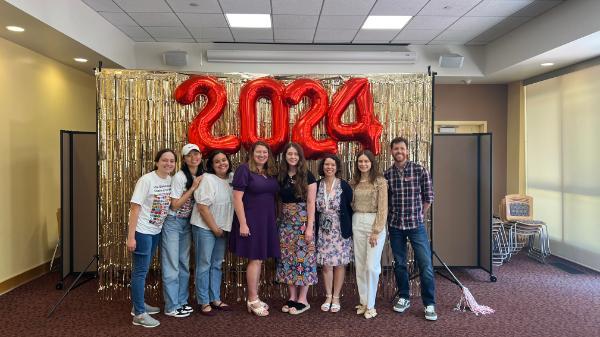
(530, 299)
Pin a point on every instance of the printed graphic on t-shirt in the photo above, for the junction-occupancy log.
(185, 211)
(160, 204)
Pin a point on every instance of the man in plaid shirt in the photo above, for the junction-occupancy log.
(409, 196)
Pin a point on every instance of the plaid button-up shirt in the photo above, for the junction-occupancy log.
(408, 189)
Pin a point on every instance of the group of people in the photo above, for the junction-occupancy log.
(265, 210)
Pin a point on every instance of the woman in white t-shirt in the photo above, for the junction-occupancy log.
(149, 206)
(177, 234)
(211, 220)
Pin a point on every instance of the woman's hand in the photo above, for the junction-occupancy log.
(309, 234)
(131, 244)
(373, 239)
(196, 183)
(218, 232)
(244, 230)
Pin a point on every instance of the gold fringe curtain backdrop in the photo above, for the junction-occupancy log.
(137, 116)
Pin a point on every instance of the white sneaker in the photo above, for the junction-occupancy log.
(177, 313)
(401, 305)
(145, 320)
(430, 314)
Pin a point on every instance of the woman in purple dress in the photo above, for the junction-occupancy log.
(254, 232)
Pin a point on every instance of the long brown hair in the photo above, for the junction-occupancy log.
(373, 172)
(301, 180)
(270, 168)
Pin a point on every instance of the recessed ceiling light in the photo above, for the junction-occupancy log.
(547, 64)
(385, 22)
(249, 20)
(80, 60)
(15, 29)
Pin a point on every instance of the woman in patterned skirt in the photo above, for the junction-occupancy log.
(297, 266)
(334, 221)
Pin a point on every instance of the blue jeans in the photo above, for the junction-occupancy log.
(175, 261)
(420, 244)
(210, 251)
(142, 257)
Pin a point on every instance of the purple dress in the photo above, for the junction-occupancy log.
(259, 207)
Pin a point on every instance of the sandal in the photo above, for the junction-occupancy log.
(335, 307)
(288, 305)
(258, 310)
(370, 313)
(327, 304)
(205, 312)
(299, 308)
(263, 304)
(220, 306)
(360, 309)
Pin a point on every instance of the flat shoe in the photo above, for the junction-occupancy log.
(299, 308)
(288, 305)
(221, 306)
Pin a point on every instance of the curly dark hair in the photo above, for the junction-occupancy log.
(338, 164)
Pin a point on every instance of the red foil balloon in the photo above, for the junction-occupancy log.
(366, 129)
(310, 117)
(199, 132)
(250, 93)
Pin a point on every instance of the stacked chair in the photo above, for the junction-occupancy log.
(519, 230)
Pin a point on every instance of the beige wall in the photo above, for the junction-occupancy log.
(479, 102)
(39, 97)
(515, 139)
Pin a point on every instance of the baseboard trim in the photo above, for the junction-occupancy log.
(25, 277)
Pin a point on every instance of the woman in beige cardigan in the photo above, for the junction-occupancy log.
(368, 228)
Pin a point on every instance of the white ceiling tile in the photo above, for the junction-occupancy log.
(156, 19)
(295, 7)
(448, 7)
(421, 42)
(118, 19)
(103, 5)
(294, 34)
(418, 34)
(334, 35)
(293, 41)
(168, 32)
(347, 7)
(203, 20)
(199, 6)
(398, 7)
(250, 34)
(431, 22)
(375, 35)
(134, 31)
(456, 35)
(295, 21)
(211, 34)
(341, 22)
(144, 39)
(476, 23)
(448, 43)
(246, 6)
(538, 8)
(176, 40)
(143, 5)
(498, 8)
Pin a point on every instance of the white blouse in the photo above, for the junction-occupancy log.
(217, 194)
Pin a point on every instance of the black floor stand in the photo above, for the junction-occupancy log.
(75, 284)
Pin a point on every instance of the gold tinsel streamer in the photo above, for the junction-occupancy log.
(137, 116)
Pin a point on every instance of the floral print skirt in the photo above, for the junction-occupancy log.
(297, 265)
(332, 248)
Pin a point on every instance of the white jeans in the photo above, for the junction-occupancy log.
(367, 259)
